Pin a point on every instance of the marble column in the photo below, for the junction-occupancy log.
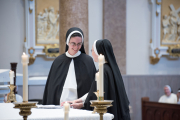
(114, 29)
(73, 13)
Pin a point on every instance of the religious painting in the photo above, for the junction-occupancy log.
(170, 22)
(46, 22)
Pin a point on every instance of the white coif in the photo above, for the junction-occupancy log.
(69, 92)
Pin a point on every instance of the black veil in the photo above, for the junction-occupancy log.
(73, 29)
(104, 47)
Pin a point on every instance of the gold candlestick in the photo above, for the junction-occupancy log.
(11, 96)
(25, 108)
(101, 106)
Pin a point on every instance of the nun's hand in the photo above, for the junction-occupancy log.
(70, 102)
(77, 105)
(77, 101)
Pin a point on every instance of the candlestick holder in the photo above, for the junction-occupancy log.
(25, 108)
(101, 106)
(11, 96)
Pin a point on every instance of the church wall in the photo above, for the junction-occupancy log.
(12, 34)
(95, 14)
(138, 34)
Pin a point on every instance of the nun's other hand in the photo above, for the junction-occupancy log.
(77, 101)
(70, 102)
(77, 105)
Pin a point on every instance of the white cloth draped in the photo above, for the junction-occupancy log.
(69, 92)
(168, 99)
(9, 113)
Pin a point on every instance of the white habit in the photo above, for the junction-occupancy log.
(171, 99)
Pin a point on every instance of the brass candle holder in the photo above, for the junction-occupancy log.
(11, 97)
(100, 105)
(25, 108)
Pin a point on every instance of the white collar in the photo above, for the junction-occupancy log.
(73, 56)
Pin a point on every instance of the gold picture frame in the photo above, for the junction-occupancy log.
(46, 22)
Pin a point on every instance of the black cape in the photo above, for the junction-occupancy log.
(113, 84)
(84, 70)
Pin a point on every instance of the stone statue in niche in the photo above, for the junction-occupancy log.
(171, 27)
(48, 26)
(165, 24)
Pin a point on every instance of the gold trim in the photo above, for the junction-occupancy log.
(155, 60)
(25, 39)
(150, 40)
(36, 42)
(25, 108)
(158, 3)
(157, 13)
(30, 11)
(31, 58)
(170, 48)
(11, 96)
(46, 47)
(101, 106)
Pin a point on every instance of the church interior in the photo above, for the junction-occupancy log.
(144, 34)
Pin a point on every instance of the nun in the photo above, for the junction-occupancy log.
(113, 83)
(71, 73)
(168, 96)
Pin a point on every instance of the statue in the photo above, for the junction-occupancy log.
(53, 19)
(48, 26)
(166, 24)
(171, 26)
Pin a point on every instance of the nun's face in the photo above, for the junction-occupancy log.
(95, 57)
(167, 91)
(74, 44)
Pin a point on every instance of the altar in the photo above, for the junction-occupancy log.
(9, 113)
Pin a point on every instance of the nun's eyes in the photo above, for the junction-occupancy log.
(74, 44)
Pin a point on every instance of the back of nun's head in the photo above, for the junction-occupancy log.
(104, 47)
(71, 32)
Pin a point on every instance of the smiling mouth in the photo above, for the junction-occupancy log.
(75, 50)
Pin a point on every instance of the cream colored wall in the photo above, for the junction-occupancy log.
(11, 33)
(138, 35)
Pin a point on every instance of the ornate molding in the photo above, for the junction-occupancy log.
(31, 51)
(30, 11)
(154, 60)
(30, 6)
(25, 39)
(174, 50)
(51, 50)
(158, 3)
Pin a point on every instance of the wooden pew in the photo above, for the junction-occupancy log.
(159, 111)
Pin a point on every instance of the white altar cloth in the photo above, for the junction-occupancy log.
(7, 112)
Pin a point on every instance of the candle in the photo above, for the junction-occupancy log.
(101, 75)
(97, 80)
(11, 76)
(25, 61)
(66, 111)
